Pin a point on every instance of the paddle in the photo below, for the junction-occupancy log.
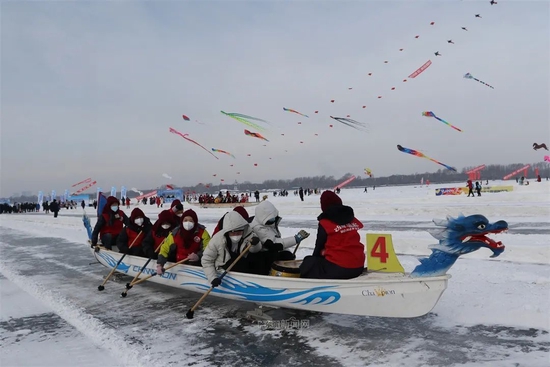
(131, 284)
(101, 287)
(125, 293)
(191, 312)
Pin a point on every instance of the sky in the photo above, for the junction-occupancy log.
(90, 89)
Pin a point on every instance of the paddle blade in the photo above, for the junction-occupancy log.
(189, 314)
(381, 256)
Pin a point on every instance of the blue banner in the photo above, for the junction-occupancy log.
(113, 191)
(122, 192)
(53, 195)
(66, 194)
(40, 197)
(101, 201)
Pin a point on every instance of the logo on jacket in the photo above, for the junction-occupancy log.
(197, 239)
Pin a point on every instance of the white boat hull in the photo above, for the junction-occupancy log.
(372, 294)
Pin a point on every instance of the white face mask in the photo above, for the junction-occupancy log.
(188, 225)
(114, 208)
(235, 238)
(180, 215)
(165, 226)
(138, 221)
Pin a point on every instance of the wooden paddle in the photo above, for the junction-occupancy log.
(152, 275)
(102, 286)
(191, 312)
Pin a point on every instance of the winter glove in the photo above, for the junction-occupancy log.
(254, 241)
(193, 257)
(300, 236)
(273, 246)
(160, 270)
(216, 282)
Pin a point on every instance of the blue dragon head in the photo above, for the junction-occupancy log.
(459, 236)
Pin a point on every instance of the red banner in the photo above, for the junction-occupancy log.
(342, 184)
(82, 182)
(85, 188)
(516, 172)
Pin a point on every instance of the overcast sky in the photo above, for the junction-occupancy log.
(90, 89)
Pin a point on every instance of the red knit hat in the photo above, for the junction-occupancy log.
(328, 199)
(242, 211)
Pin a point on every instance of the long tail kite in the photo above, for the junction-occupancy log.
(244, 119)
(174, 131)
(222, 151)
(419, 71)
(431, 114)
(254, 135)
(294, 111)
(422, 155)
(351, 123)
(470, 76)
(88, 180)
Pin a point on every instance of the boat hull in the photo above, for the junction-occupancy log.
(372, 294)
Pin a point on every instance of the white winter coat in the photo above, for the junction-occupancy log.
(264, 212)
(216, 254)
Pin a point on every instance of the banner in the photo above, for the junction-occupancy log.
(451, 191)
(85, 188)
(40, 197)
(66, 195)
(497, 188)
(113, 191)
(152, 193)
(342, 184)
(122, 192)
(53, 195)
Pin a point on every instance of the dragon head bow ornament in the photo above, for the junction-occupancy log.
(459, 236)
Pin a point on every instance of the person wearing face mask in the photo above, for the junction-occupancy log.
(226, 245)
(138, 224)
(239, 209)
(176, 209)
(109, 224)
(161, 229)
(266, 227)
(185, 241)
(339, 253)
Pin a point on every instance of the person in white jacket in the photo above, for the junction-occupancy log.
(226, 245)
(265, 225)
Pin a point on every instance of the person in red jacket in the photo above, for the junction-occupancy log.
(161, 229)
(136, 230)
(109, 224)
(176, 209)
(339, 253)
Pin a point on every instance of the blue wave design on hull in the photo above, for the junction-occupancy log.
(254, 292)
(122, 267)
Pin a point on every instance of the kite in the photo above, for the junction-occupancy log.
(368, 172)
(493, 2)
(185, 118)
(539, 146)
(422, 155)
(450, 41)
(254, 135)
(431, 114)
(174, 131)
(244, 119)
(464, 28)
(420, 69)
(470, 76)
(165, 175)
(222, 151)
(88, 180)
(437, 53)
(351, 123)
(547, 158)
(294, 111)
(478, 15)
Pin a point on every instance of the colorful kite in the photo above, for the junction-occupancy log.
(254, 135)
(165, 175)
(422, 155)
(418, 71)
(431, 114)
(222, 151)
(368, 172)
(294, 111)
(244, 119)
(351, 123)
(174, 131)
(185, 118)
(470, 76)
(547, 158)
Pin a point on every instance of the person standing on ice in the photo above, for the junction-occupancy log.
(478, 188)
(301, 193)
(339, 253)
(470, 188)
(226, 245)
(186, 241)
(138, 225)
(109, 224)
(54, 208)
(161, 229)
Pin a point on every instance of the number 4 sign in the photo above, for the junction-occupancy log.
(381, 255)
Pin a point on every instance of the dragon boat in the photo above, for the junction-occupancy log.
(223, 205)
(384, 292)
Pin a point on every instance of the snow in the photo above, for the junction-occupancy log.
(494, 311)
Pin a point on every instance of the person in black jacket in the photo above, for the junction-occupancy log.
(54, 208)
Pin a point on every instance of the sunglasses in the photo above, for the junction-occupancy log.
(271, 221)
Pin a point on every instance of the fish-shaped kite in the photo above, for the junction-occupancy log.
(294, 111)
(431, 114)
(222, 151)
(174, 131)
(422, 155)
(351, 123)
(470, 76)
(254, 135)
(244, 119)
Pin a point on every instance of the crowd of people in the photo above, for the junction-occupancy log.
(178, 236)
